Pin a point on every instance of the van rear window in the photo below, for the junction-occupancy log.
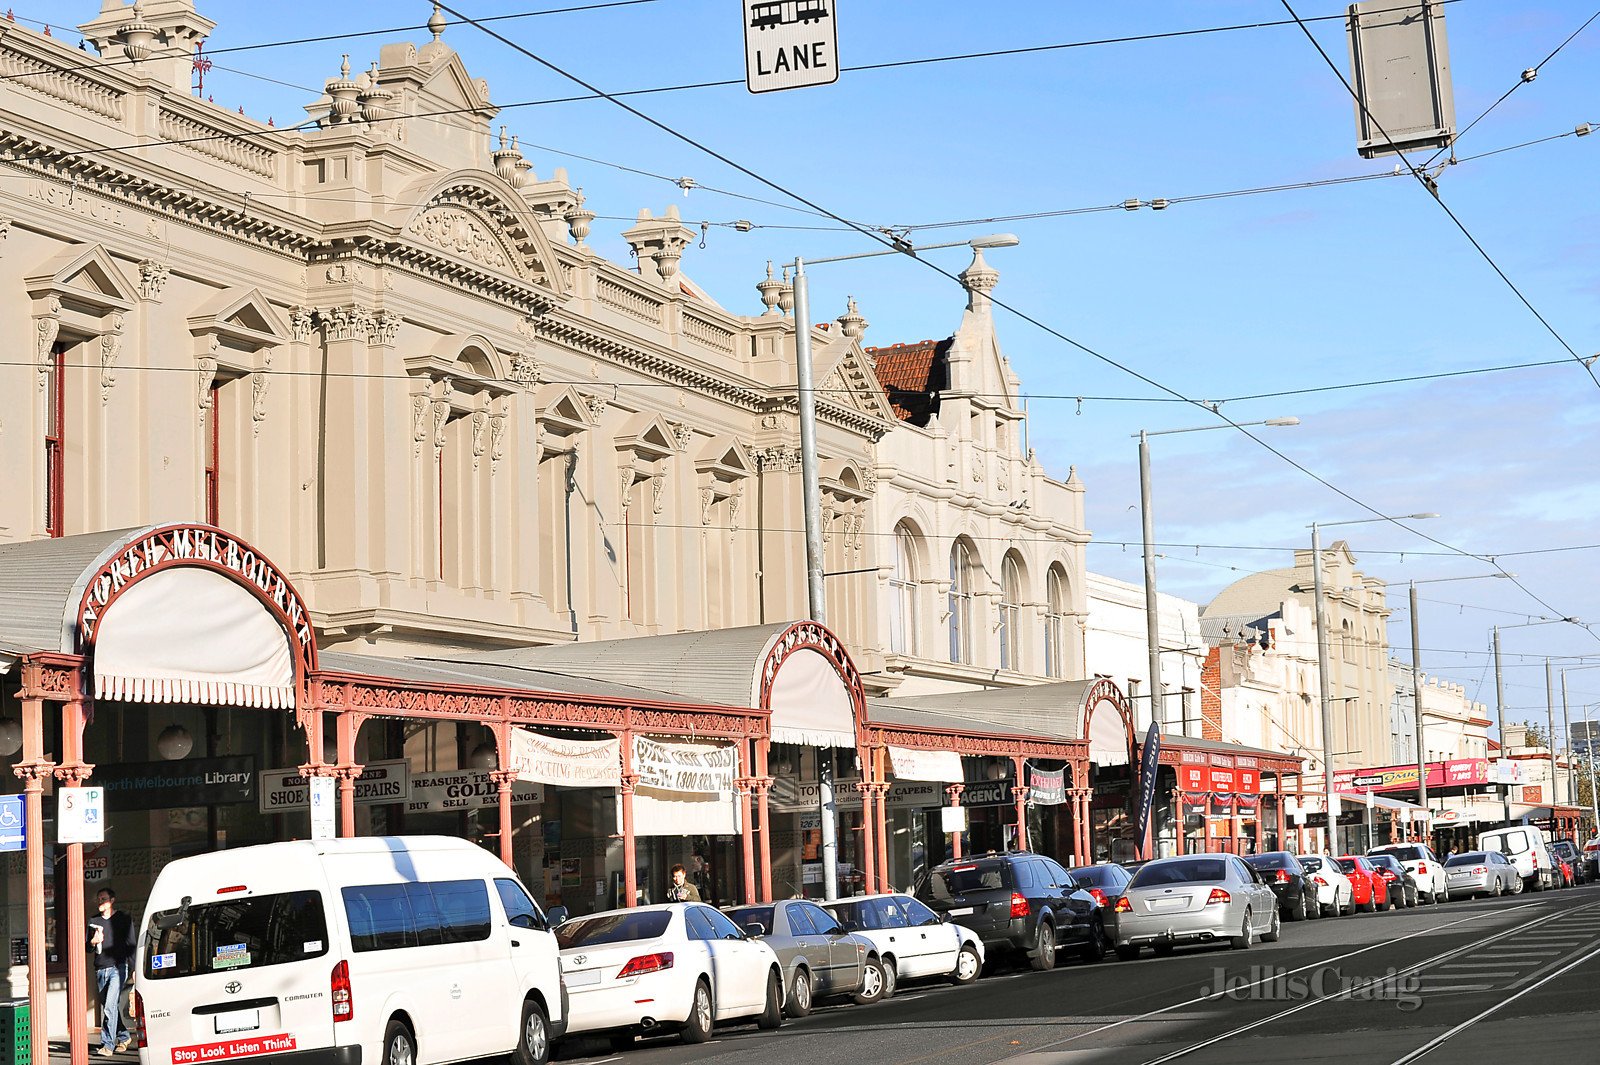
(392, 916)
(241, 933)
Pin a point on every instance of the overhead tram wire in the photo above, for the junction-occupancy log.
(888, 244)
(1520, 82)
(1432, 187)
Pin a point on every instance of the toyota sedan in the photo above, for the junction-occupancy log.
(1198, 898)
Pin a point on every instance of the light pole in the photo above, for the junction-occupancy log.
(1416, 678)
(1500, 708)
(1566, 727)
(1588, 750)
(1147, 519)
(811, 502)
(1331, 800)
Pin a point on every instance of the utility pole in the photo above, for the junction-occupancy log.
(1416, 703)
(1331, 800)
(1500, 713)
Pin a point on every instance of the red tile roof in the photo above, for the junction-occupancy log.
(912, 376)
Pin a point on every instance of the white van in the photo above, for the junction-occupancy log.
(408, 950)
(1526, 846)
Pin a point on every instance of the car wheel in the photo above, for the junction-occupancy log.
(799, 1004)
(968, 966)
(1368, 906)
(533, 1044)
(1163, 950)
(1331, 909)
(1275, 931)
(1349, 904)
(1095, 949)
(872, 983)
(399, 1045)
(1043, 954)
(623, 1042)
(1496, 892)
(697, 1029)
(1297, 912)
(1128, 951)
(1246, 936)
(772, 1015)
(891, 977)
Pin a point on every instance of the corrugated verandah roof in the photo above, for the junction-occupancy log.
(37, 579)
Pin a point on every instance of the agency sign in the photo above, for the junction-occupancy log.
(790, 44)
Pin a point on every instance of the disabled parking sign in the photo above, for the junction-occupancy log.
(81, 815)
(13, 824)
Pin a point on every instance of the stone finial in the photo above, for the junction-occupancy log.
(342, 93)
(769, 291)
(578, 217)
(437, 24)
(506, 157)
(851, 323)
(374, 98)
(659, 243)
(138, 36)
(786, 293)
(980, 279)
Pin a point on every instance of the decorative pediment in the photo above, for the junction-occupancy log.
(242, 316)
(648, 436)
(474, 217)
(843, 479)
(724, 460)
(846, 379)
(564, 411)
(86, 278)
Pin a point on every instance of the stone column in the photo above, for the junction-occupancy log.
(347, 770)
(881, 790)
(72, 772)
(1019, 797)
(630, 867)
(868, 816)
(503, 779)
(746, 835)
(954, 791)
(32, 771)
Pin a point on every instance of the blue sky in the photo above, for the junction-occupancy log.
(1241, 296)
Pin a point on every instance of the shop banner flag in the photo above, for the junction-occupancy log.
(567, 763)
(1047, 787)
(691, 767)
(1149, 768)
(940, 766)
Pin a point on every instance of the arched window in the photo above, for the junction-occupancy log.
(1055, 623)
(961, 580)
(903, 593)
(1010, 613)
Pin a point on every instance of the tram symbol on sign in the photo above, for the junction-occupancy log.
(786, 12)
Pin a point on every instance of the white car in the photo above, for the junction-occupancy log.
(680, 966)
(1335, 894)
(1424, 867)
(913, 941)
(1525, 846)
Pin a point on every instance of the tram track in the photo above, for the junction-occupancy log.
(1526, 983)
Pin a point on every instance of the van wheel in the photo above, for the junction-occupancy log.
(399, 1046)
(533, 1041)
(772, 1016)
(799, 1004)
(697, 1029)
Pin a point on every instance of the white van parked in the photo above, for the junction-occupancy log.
(1526, 846)
(408, 950)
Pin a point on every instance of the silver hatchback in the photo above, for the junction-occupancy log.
(1197, 898)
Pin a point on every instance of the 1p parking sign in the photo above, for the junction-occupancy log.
(81, 815)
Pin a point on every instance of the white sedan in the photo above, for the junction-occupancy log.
(912, 940)
(682, 966)
(1335, 893)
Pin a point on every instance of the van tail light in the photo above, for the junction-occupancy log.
(1019, 905)
(138, 1017)
(1123, 905)
(1536, 859)
(1099, 897)
(1217, 895)
(646, 963)
(344, 1004)
(1282, 877)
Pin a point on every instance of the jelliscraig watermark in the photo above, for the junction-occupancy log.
(1268, 983)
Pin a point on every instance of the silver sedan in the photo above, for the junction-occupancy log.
(819, 957)
(1481, 873)
(1197, 898)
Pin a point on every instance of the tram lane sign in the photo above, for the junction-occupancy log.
(790, 44)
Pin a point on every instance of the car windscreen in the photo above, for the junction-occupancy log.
(1470, 858)
(1180, 871)
(1273, 860)
(1100, 876)
(1405, 854)
(745, 916)
(1386, 861)
(606, 928)
(954, 880)
(242, 933)
(1310, 863)
(1348, 865)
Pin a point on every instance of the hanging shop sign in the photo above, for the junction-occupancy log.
(566, 762)
(1194, 809)
(688, 767)
(987, 793)
(1194, 778)
(286, 791)
(912, 764)
(1047, 787)
(464, 789)
(186, 782)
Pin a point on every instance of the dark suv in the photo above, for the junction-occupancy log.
(1018, 902)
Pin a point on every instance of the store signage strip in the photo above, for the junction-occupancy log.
(538, 758)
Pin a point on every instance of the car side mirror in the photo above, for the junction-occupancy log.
(755, 929)
(851, 926)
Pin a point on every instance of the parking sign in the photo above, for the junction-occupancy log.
(13, 823)
(81, 815)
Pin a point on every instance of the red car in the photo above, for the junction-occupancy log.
(1370, 890)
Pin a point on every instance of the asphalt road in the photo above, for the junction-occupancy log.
(1508, 980)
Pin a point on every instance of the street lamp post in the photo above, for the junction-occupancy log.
(1147, 520)
(1321, 614)
(811, 501)
(1500, 709)
(1416, 679)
